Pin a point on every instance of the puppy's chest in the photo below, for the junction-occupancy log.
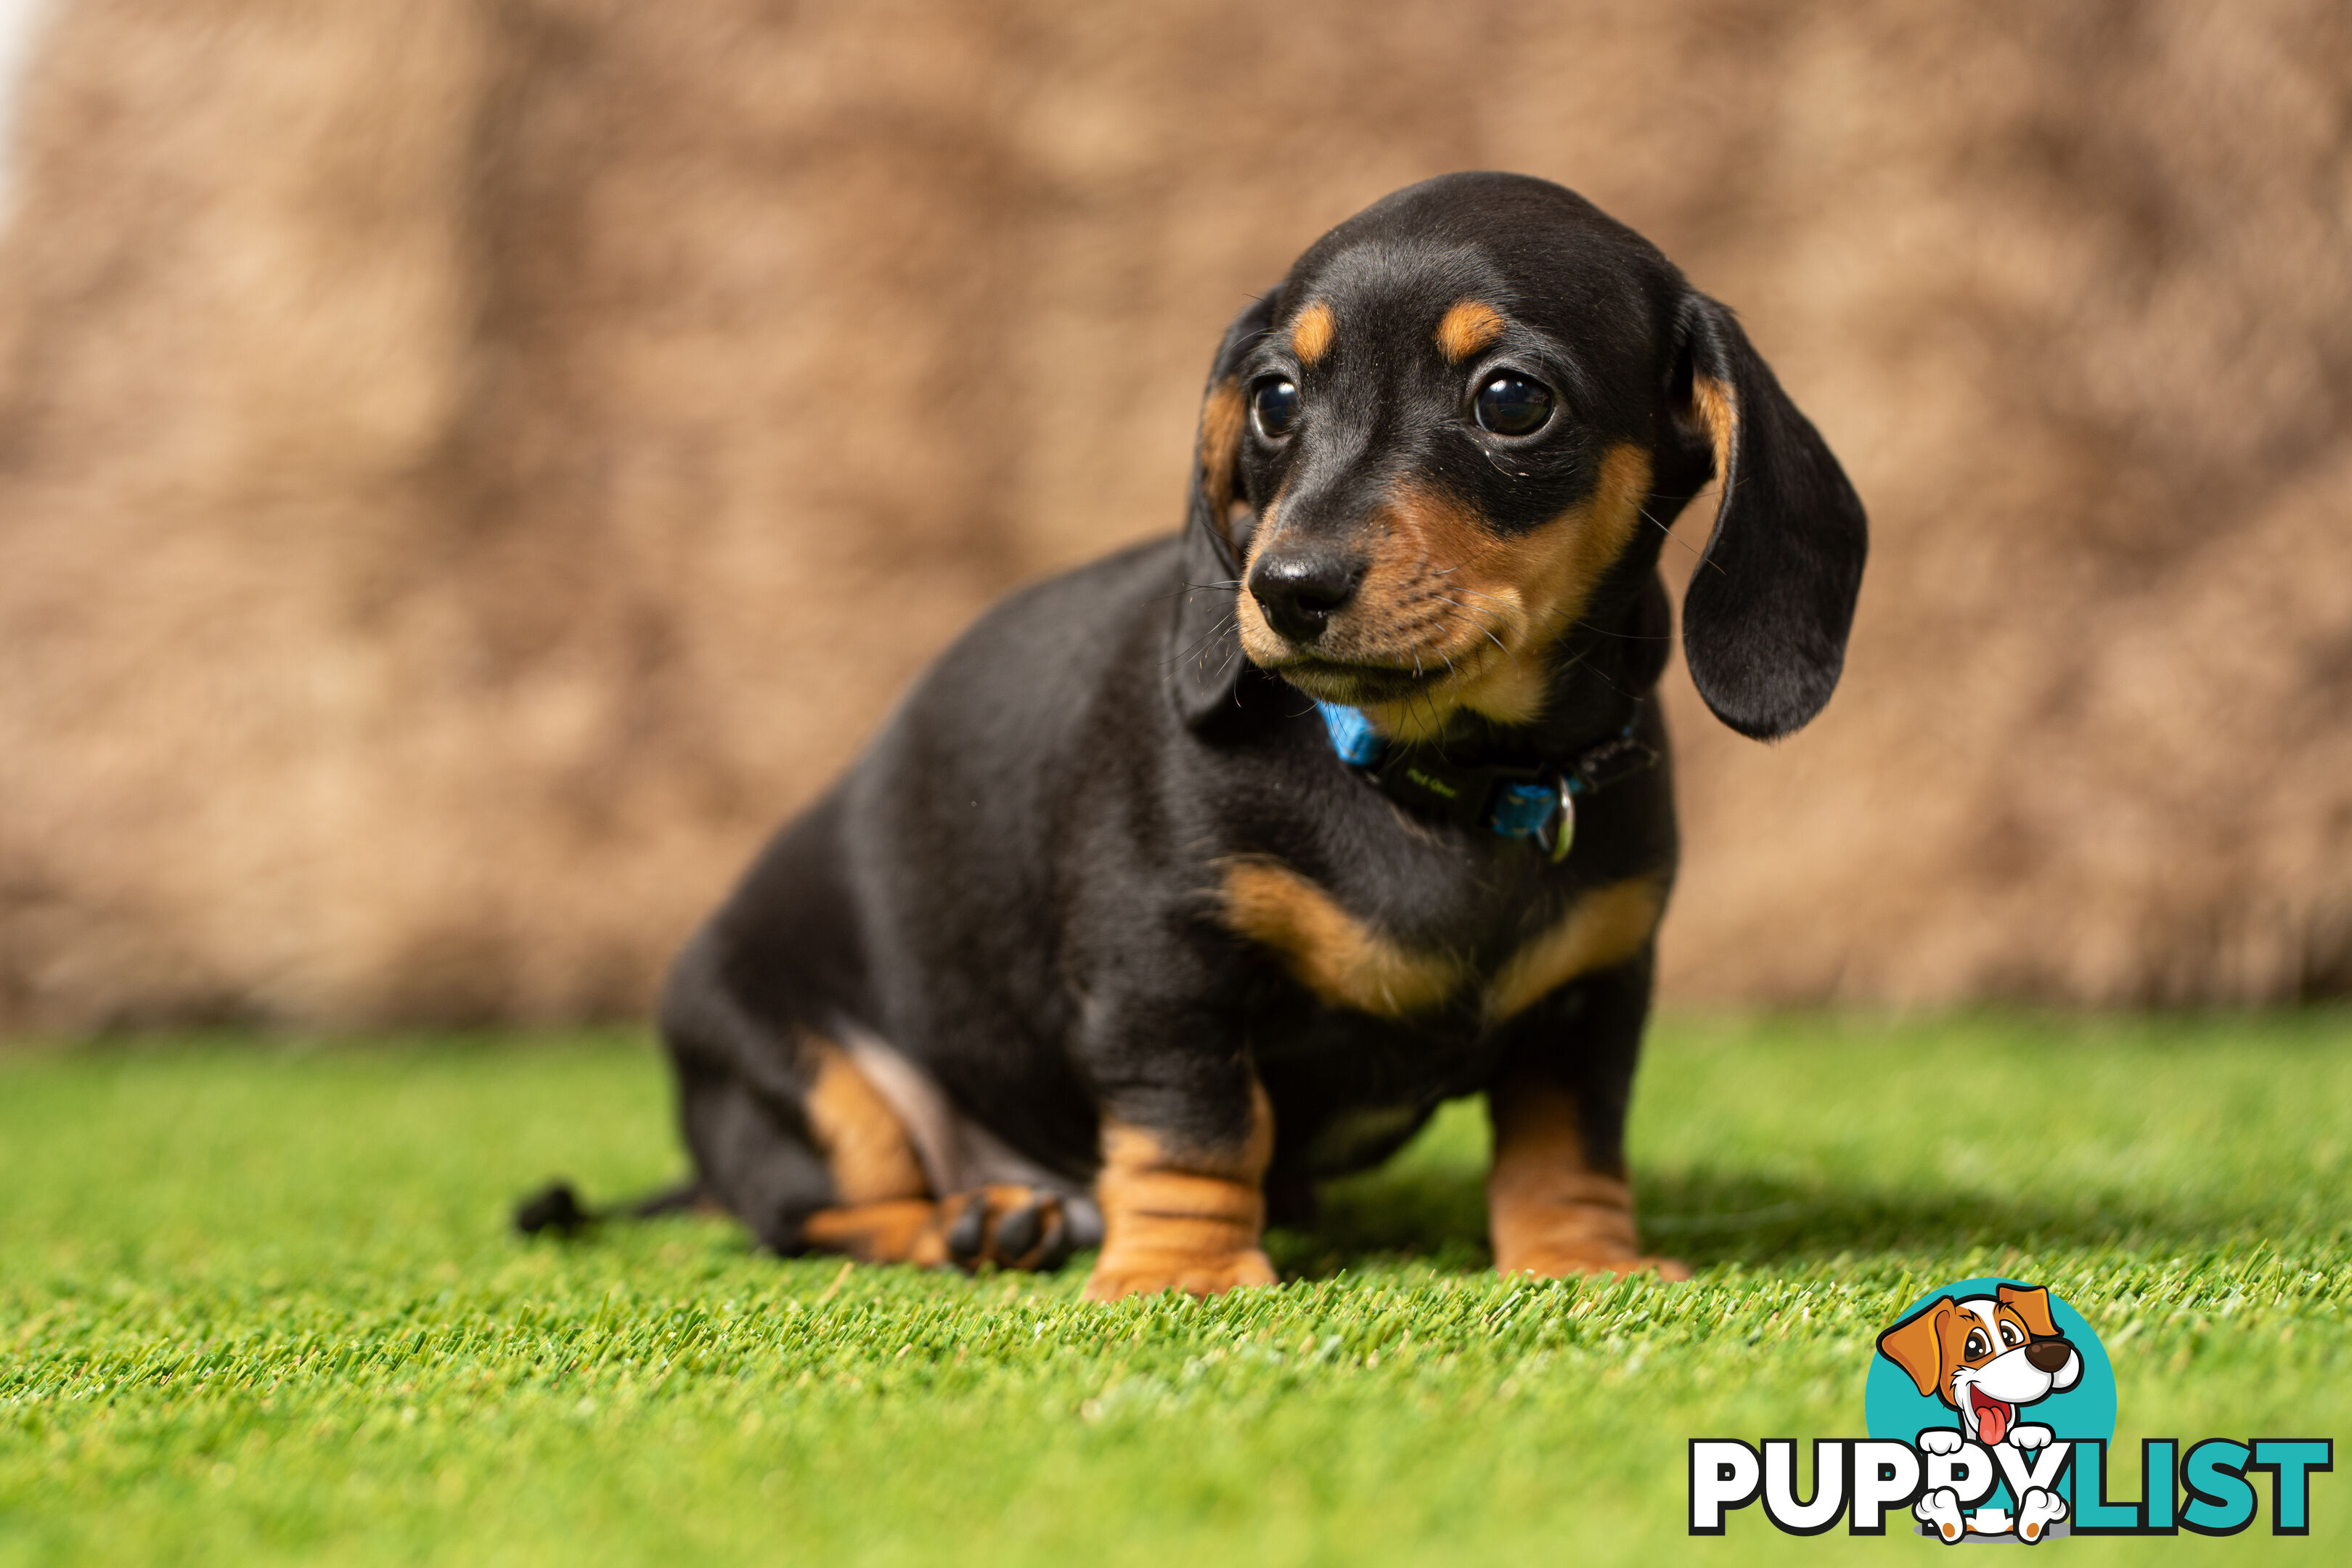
(1494, 962)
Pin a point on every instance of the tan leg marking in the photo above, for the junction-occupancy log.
(864, 1144)
(1312, 334)
(1548, 1210)
(1465, 329)
(884, 1214)
(1329, 951)
(1604, 929)
(1181, 1219)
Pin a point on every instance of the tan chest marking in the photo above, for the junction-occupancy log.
(1348, 964)
(1329, 951)
(1605, 928)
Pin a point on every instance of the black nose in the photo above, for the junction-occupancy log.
(2048, 1356)
(1300, 591)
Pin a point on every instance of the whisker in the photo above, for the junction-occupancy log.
(1200, 645)
(1484, 628)
(1685, 543)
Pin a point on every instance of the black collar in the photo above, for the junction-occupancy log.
(1536, 802)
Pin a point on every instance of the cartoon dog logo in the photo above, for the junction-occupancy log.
(1986, 1357)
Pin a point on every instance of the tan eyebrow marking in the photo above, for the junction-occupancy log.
(1465, 329)
(1312, 334)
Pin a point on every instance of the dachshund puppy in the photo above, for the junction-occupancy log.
(1193, 877)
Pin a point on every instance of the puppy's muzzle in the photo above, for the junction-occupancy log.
(1300, 590)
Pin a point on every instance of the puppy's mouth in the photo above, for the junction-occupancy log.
(1357, 685)
(1992, 1418)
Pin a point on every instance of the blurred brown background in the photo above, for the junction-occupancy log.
(468, 468)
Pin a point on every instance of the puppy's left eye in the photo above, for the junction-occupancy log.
(2009, 1336)
(1510, 405)
(1274, 406)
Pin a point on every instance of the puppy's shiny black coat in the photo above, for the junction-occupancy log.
(1101, 915)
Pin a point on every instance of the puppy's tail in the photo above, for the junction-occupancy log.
(557, 1209)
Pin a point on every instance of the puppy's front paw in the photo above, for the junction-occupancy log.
(1941, 1508)
(2040, 1511)
(2030, 1436)
(1939, 1440)
(1010, 1227)
(1568, 1262)
(1145, 1271)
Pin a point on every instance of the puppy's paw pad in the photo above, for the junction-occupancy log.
(1010, 1227)
(1148, 1274)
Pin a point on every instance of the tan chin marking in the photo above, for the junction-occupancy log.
(1465, 329)
(1498, 602)
(1312, 334)
(1510, 597)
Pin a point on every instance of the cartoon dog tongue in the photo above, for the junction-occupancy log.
(1992, 1417)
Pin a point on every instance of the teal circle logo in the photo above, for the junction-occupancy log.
(1893, 1405)
(1991, 1370)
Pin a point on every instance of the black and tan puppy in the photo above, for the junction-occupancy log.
(1207, 871)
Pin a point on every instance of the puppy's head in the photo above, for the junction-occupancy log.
(1453, 438)
(1985, 1356)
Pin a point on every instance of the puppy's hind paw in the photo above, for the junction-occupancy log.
(1010, 1227)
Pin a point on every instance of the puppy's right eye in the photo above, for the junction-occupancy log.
(1511, 404)
(1274, 406)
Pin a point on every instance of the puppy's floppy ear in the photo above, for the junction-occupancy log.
(1205, 653)
(1765, 616)
(2031, 1302)
(1918, 1345)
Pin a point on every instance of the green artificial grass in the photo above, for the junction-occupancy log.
(258, 1303)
